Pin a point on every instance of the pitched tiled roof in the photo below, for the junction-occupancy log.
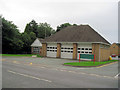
(81, 33)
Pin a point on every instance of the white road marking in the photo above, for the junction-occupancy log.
(72, 71)
(54, 69)
(29, 76)
(94, 75)
(82, 73)
(116, 76)
(62, 70)
(84, 68)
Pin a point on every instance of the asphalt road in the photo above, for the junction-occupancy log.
(27, 72)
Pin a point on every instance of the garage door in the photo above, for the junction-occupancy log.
(67, 51)
(51, 50)
(84, 49)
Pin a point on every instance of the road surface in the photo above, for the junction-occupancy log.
(27, 72)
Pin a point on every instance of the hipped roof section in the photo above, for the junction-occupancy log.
(81, 33)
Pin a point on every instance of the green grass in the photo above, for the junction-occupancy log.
(24, 55)
(89, 63)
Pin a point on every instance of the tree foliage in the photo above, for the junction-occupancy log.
(32, 27)
(64, 25)
(45, 30)
(34, 30)
(10, 37)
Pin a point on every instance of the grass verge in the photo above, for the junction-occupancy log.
(89, 63)
(24, 55)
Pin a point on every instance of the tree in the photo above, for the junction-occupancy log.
(28, 39)
(74, 24)
(27, 42)
(32, 27)
(63, 26)
(45, 30)
(11, 42)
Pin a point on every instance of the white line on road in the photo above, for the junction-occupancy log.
(71, 71)
(84, 68)
(116, 76)
(62, 70)
(29, 76)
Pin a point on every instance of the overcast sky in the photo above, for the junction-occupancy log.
(101, 15)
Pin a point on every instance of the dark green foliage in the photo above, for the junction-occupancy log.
(28, 39)
(41, 30)
(64, 25)
(34, 30)
(45, 30)
(11, 42)
(32, 27)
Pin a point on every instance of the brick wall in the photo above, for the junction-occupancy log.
(44, 49)
(101, 54)
(74, 50)
(58, 50)
(96, 51)
(114, 49)
(104, 54)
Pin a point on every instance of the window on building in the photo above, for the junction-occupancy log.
(82, 52)
(86, 52)
(78, 48)
(90, 48)
(69, 51)
(36, 49)
(82, 48)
